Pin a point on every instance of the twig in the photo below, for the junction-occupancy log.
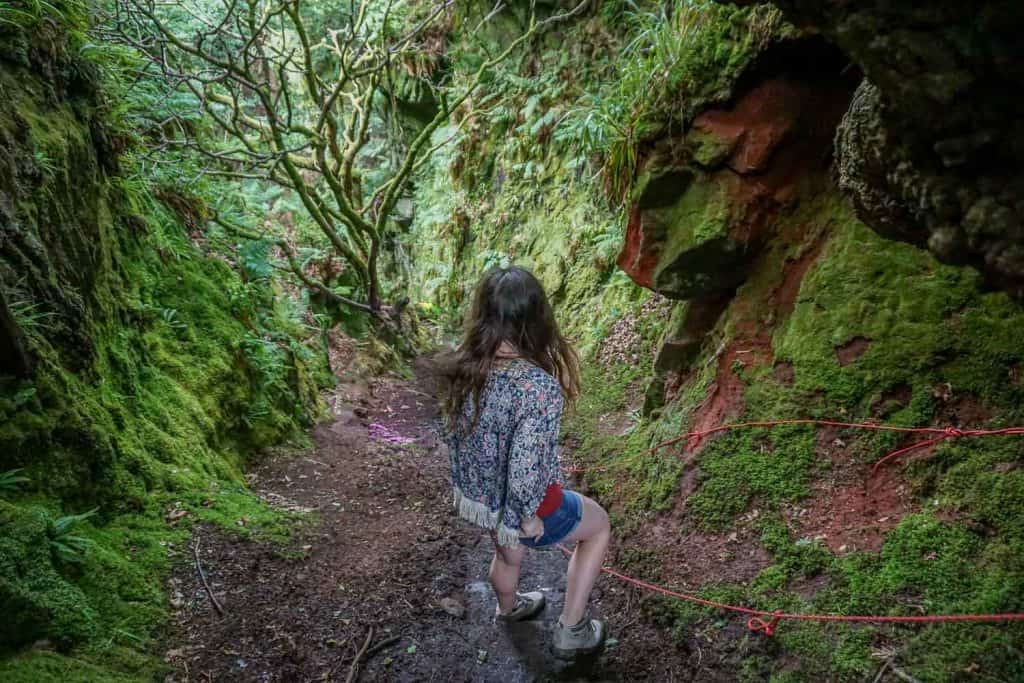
(202, 576)
(881, 672)
(901, 674)
(353, 670)
(381, 645)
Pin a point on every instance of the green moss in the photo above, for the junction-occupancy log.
(105, 614)
(159, 374)
(916, 314)
(798, 559)
(514, 187)
(708, 149)
(31, 667)
(39, 601)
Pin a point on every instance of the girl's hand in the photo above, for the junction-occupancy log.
(532, 528)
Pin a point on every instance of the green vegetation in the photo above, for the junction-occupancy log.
(925, 325)
(525, 179)
(695, 50)
(26, 14)
(175, 306)
(159, 371)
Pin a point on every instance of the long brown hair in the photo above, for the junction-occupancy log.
(509, 305)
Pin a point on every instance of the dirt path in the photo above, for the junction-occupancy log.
(385, 564)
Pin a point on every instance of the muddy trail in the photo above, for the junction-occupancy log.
(387, 584)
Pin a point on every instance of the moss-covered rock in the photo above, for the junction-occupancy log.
(39, 602)
(706, 202)
(932, 144)
(694, 245)
(150, 373)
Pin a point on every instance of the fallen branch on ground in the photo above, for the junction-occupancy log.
(202, 577)
(353, 670)
(381, 645)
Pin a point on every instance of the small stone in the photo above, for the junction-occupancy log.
(453, 607)
(481, 656)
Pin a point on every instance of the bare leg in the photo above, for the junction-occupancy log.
(504, 574)
(592, 536)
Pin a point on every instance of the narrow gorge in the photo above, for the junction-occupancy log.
(227, 263)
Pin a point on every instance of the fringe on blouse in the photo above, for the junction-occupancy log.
(478, 513)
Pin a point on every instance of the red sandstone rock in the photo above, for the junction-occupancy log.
(693, 229)
(759, 123)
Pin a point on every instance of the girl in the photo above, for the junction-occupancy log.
(505, 387)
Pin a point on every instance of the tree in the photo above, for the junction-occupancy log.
(292, 103)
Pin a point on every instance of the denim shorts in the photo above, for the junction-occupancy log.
(560, 523)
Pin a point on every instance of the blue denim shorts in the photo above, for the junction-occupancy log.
(559, 523)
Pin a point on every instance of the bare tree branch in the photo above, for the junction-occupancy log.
(296, 106)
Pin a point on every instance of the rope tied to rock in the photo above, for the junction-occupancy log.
(765, 621)
(937, 434)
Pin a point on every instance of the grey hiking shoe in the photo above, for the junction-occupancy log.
(527, 607)
(583, 638)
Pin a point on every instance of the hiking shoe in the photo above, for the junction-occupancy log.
(583, 638)
(528, 605)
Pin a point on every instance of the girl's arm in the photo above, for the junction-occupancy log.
(533, 460)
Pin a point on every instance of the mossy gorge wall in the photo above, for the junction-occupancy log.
(675, 184)
(702, 188)
(136, 373)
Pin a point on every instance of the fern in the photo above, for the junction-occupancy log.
(29, 316)
(11, 480)
(254, 257)
(170, 318)
(65, 546)
(46, 164)
(28, 13)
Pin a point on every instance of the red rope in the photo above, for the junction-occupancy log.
(765, 621)
(757, 621)
(939, 434)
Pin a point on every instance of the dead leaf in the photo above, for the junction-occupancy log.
(174, 515)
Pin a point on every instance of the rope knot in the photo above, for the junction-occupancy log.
(952, 432)
(757, 624)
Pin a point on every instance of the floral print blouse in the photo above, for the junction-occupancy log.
(502, 468)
